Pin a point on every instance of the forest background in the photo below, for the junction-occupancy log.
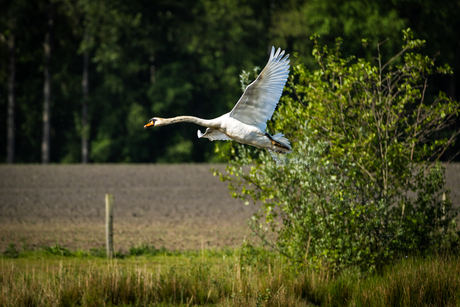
(80, 78)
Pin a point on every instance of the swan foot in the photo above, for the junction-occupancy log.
(275, 143)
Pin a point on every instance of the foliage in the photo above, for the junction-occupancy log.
(165, 58)
(11, 251)
(354, 19)
(146, 59)
(145, 250)
(363, 186)
(57, 250)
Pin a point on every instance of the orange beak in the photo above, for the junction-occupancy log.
(150, 124)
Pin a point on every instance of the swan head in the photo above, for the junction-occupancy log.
(156, 121)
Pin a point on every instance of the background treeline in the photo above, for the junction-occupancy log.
(80, 78)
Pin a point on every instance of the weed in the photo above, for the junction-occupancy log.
(11, 251)
(57, 250)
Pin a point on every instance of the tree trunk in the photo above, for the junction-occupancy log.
(11, 99)
(47, 88)
(84, 113)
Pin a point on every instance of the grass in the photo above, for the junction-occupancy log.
(55, 276)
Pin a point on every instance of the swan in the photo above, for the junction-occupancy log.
(247, 121)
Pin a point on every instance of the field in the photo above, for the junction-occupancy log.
(180, 207)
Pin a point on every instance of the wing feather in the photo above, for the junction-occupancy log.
(213, 135)
(260, 98)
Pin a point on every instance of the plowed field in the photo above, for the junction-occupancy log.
(175, 206)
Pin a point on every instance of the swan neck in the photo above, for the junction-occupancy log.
(189, 119)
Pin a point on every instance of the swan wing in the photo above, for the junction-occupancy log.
(260, 98)
(213, 135)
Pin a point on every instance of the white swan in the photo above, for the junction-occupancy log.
(246, 123)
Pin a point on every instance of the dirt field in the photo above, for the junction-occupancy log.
(176, 206)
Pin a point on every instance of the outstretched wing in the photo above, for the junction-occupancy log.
(260, 98)
(213, 135)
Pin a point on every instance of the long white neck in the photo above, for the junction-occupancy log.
(190, 119)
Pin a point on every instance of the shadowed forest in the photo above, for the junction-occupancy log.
(80, 78)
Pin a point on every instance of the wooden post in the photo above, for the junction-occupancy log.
(109, 224)
(443, 206)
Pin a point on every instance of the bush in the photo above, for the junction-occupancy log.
(57, 250)
(364, 185)
(11, 251)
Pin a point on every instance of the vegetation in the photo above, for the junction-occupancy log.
(363, 186)
(217, 278)
(111, 65)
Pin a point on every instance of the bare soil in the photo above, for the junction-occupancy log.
(176, 206)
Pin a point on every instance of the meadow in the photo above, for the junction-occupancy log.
(179, 241)
(233, 277)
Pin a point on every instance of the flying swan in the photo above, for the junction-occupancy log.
(247, 121)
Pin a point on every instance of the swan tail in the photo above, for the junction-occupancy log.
(281, 144)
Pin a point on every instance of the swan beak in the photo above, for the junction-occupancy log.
(150, 124)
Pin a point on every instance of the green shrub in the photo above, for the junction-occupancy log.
(144, 250)
(363, 185)
(57, 249)
(11, 251)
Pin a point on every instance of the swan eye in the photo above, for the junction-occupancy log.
(151, 123)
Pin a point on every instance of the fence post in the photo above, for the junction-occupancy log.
(443, 206)
(109, 224)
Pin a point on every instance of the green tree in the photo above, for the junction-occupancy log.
(47, 76)
(198, 74)
(297, 20)
(20, 139)
(83, 18)
(435, 21)
(11, 42)
(166, 58)
(363, 186)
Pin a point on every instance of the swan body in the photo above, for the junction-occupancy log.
(247, 121)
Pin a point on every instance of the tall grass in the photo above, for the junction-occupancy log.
(433, 281)
(220, 279)
(203, 278)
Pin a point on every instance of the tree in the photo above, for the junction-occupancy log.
(84, 112)
(83, 16)
(47, 46)
(9, 38)
(165, 58)
(363, 186)
(10, 26)
(11, 92)
(296, 20)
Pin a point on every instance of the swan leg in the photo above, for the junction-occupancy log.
(275, 143)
